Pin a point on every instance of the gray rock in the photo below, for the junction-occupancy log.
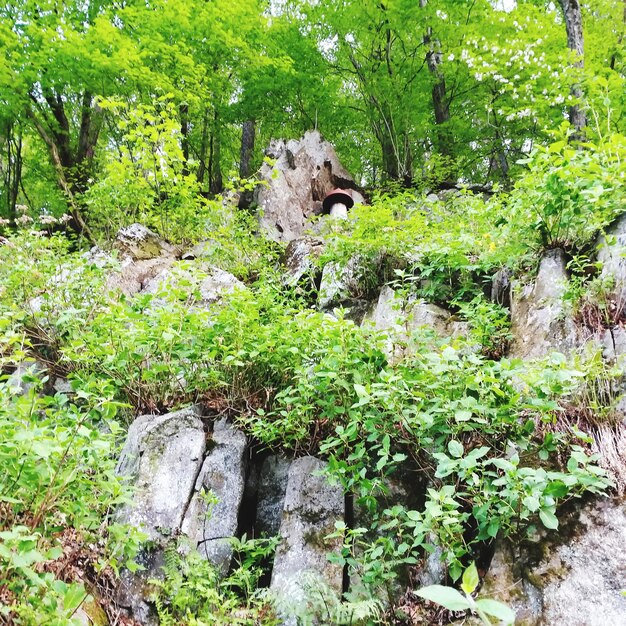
(299, 260)
(271, 489)
(311, 508)
(611, 253)
(25, 377)
(540, 321)
(140, 243)
(400, 317)
(303, 173)
(574, 578)
(211, 283)
(210, 526)
(162, 457)
(340, 285)
(501, 287)
(133, 276)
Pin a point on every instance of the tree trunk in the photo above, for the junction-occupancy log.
(11, 169)
(184, 132)
(247, 148)
(216, 184)
(575, 42)
(63, 172)
(204, 147)
(620, 39)
(441, 106)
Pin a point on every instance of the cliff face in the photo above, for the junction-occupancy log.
(202, 478)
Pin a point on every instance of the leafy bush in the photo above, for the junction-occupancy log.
(57, 485)
(193, 593)
(569, 193)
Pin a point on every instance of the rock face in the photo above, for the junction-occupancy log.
(573, 579)
(299, 260)
(400, 317)
(340, 286)
(162, 456)
(211, 283)
(611, 251)
(133, 276)
(140, 243)
(311, 508)
(272, 489)
(208, 524)
(303, 173)
(25, 377)
(540, 322)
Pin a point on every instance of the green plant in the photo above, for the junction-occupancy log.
(193, 593)
(454, 600)
(489, 325)
(57, 486)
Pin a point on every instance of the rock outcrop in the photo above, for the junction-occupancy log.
(210, 283)
(540, 321)
(574, 578)
(311, 508)
(211, 519)
(400, 317)
(162, 457)
(141, 244)
(303, 173)
(299, 261)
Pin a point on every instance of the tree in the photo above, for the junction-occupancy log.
(575, 42)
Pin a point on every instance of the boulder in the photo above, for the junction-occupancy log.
(571, 578)
(140, 243)
(341, 286)
(400, 317)
(162, 457)
(611, 253)
(540, 321)
(303, 172)
(27, 375)
(212, 517)
(133, 276)
(311, 508)
(299, 260)
(501, 287)
(211, 283)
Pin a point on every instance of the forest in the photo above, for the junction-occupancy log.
(369, 413)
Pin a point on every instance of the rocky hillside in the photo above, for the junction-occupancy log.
(304, 419)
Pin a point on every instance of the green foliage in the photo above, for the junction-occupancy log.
(193, 593)
(569, 194)
(454, 600)
(58, 474)
(489, 325)
(441, 249)
(149, 181)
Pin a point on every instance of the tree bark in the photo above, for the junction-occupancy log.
(11, 170)
(216, 183)
(441, 105)
(247, 148)
(79, 224)
(575, 42)
(184, 132)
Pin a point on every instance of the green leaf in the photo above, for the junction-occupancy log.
(447, 597)
(455, 448)
(549, 519)
(496, 609)
(470, 579)
(74, 597)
